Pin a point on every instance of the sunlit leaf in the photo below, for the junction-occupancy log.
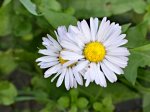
(30, 6)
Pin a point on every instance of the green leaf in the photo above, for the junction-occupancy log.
(139, 6)
(123, 93)
(6, 2)
(21, 28)
(73, 109)
(125, 27)
(45, 5)
(74, 95)
(30, 6)
(7, 63)
(139, 57)
(137, 35)
(8, 93)
(64, 101)
(146, 103)
(98, 106)
(82, 102)
(58, 18)
(101, 8)
(5, 25)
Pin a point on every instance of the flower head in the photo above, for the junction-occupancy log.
(97, 49)
(62, 68)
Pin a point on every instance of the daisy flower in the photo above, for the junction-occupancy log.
(52, 60)
(98, 50)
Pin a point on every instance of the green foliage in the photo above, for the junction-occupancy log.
(106, 105)
(31, 7)
(139, 57)
(7, 64)
(82, 102)
(23, 23)
(63, 101)
(146, 103)
(8, 93)
(5, 27)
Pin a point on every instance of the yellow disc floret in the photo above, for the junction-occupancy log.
(61, 60)
(94, 51)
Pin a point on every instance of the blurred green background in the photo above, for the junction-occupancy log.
(23, 23)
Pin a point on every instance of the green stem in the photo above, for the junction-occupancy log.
(24, 98)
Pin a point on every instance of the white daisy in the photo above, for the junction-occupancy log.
(56, 64)
(98, 50)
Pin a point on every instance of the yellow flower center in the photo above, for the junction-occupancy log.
(61, 60)
(94, 51)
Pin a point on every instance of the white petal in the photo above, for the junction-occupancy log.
(113, 67)
(77, 77)
(70, 46)
(102, 34)
(67, 80)
(47, 59)
(120, 51)
(71, 77)
(58, 73)
(100, 30)
(108, 73)
(68, 63)
(74, 83)
(55, 43)
(52, 70)
(67, 55)
(118, 61)
(112, 38)
(87, 82)
(61, 77)
(47, 52)
(48, 64)
(100, 78)
(81, 65)
(86, 30)
(93, 26)
(61, 33)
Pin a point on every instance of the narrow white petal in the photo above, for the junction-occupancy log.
(52, 70)
(112, 38)
(93, 26)
(100, 78)
(117, 60)
(92, 70)
(74, 83)
(86, 30)
(87, 82)
(81, 65)
(68, 55)
(78, 77)
(68, 63)
(58, 73)
(67, 80)
(113, 67)
(71, 77)
(61, 77)
(48, 64)
(55, 43)
(108, 73)
(121, 51)
(70, 46)
(46, 59)
(47, 52)
(102, 35)
(61, 33)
